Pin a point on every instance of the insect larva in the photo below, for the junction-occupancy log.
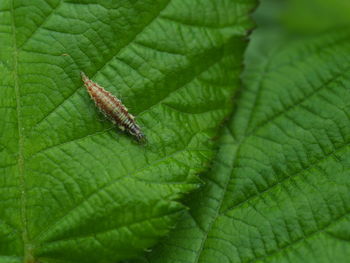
(113, 108)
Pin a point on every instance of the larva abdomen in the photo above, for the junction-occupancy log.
(113, 108)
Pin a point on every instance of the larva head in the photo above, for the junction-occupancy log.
(140, 137)
(136, 131)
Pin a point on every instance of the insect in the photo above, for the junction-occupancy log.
(113, 108)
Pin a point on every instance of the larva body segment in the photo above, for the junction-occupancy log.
(113, 108)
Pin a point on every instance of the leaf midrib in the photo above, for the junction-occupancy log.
(232, 163)
(20, 162)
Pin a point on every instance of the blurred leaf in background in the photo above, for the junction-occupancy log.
(313, 16)
(279, 189)
(73, 189)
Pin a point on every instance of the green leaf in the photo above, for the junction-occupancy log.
(316, 15)
(279, 190)
(74, 189)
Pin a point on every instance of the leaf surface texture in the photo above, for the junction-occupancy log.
(73, 188)
(279, 190)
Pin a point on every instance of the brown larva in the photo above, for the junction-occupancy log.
(113, 108)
